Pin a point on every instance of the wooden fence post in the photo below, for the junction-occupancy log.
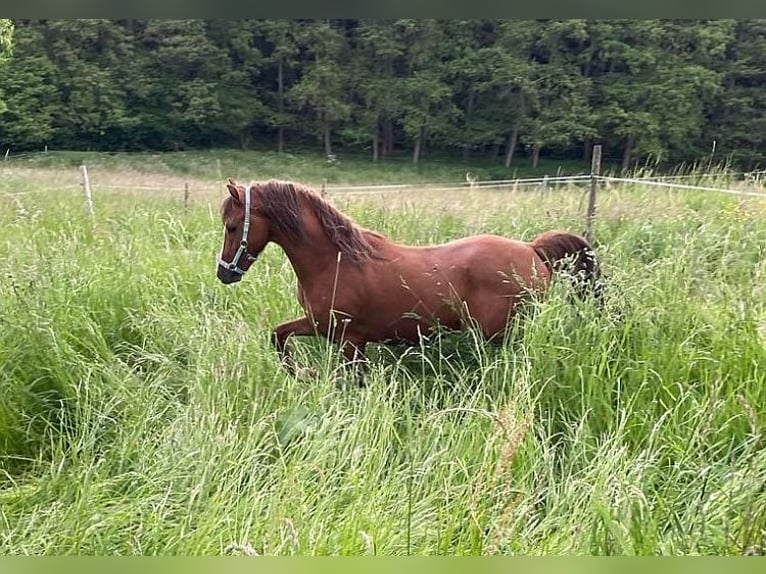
(595, 171)
(219, 177)
(86, 186)
(186, 196)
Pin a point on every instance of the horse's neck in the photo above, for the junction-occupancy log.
(311, 254)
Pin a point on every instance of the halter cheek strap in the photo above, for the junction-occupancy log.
(242, 249)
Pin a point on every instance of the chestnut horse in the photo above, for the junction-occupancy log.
(356, 286)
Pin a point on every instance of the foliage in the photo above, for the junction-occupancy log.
(659, 90)
(6, 38)
(6, 45)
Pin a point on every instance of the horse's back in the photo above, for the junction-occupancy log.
(399, 294)
(464, 248)
(492, 257)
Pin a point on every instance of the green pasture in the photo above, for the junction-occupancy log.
(143, 411)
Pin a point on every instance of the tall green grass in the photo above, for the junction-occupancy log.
(143, 411)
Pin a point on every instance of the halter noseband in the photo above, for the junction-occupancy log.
(242, 249)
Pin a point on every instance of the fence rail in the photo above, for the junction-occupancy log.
(656, 181)
(594, 180)
(671, 185)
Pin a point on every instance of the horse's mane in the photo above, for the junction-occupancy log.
(281, 202)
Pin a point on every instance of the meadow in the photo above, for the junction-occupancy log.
(143, 410)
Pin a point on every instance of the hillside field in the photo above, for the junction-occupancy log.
(143, 410)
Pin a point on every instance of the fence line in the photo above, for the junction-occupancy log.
(728, 174)
(137, 187)
(655, 181)
(668, 184)
(595, 172)
(370, 187)
(86, 185)
(487, 184)
(545, 178)
(542, 183)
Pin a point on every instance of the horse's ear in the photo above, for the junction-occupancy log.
(233, 190)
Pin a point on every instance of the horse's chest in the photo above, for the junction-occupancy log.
(319, 298)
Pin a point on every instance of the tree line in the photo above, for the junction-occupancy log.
(513, 90)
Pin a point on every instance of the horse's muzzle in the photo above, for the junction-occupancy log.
(227, 276)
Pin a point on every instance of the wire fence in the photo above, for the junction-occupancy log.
(671, 185)
(742, 178)
(744, 187)
(751, 185)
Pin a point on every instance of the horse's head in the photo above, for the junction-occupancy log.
(247, 232)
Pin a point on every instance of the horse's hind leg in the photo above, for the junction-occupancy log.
(356, 360)
(282, 332)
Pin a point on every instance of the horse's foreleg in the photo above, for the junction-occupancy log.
(282, 332)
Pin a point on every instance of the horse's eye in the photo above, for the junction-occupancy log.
(231, 228)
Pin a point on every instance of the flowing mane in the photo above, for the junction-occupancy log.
(281, 203)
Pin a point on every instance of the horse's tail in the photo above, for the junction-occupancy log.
(560, 250)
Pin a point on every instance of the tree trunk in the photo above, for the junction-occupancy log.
(375, 143)
(418, 146)
(280, 107)
(587, 149)
(512, 141)
(468, 119)
(536, 155)
(327, 138)
(385, 126)
(388, 137)
(245, 139)
(628, 153)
